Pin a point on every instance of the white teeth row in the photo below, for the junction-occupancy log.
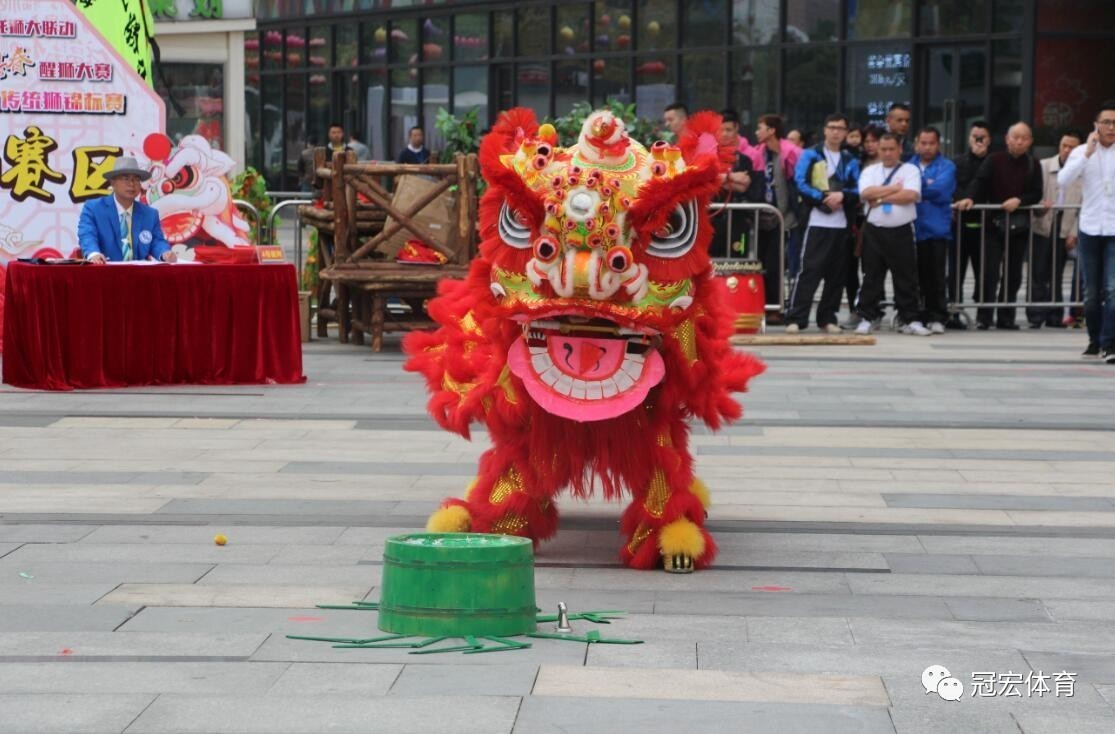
(624, 379)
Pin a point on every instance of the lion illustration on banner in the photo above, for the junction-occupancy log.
(585, 337)
(192, 194)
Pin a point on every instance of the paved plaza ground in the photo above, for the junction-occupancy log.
(945, 501)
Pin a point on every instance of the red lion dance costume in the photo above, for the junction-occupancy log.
(586, 334)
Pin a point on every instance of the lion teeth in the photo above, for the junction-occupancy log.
(541, 363)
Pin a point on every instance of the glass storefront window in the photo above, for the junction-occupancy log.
(403, 41)
(199, 89)
(812, 20)
(754, 80)
(346, 45)
(404, 109)
(877, 76)
(532, 84)
(319, 48)
(658, 26)
(1068, 85)
(705, 22)
(702, 81)
(435, 96)
(533, 24)
(952, 17)
(811, 82)
(570, 85)
(611, 79)
(377, 123)
(1009, 16)
(754, 21)
(319, 113)
(654, 86)
(470, 91)
(571, 32)
(1075, 15)
(470, 37)
(271, 131)
(503, 34)
(251, 100)
(880, 18)
(1006, 80)
(613, 25)
(295, 48)
(271, 47)
(435, 40)
(374, 43)
(294, 139)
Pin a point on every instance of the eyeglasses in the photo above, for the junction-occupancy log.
(835, 127)
(979, 139)
(1106, 123)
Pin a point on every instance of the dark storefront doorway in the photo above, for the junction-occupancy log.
(954, 81)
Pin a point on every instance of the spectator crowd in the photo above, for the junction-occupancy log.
(865, 202)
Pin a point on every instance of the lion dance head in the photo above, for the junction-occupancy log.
(586, 336)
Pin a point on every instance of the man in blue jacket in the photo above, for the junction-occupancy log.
(933, 227)
(119, 227)
(827, 179)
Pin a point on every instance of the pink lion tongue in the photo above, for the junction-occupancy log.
(587, 358)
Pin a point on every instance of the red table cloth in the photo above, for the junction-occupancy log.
(96, 326)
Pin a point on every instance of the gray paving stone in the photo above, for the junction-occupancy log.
(653, 653)
(331, 679)
(1058, 724)
(1062, 609)
(633, 602)
(124, 677)
(859, 659)
(1030, 547)
(998, 610)
(40, 618)
(832, 542)
(116, 573)
(206, 552)
(546, 715)
(238, 535)
(36, 592)
(43, 533)
(508, 679)
(993, 586)
(1069, 636)
(240, 573)
(133, 646)
(203, 506)
(925, 563)
(755, 604)
(379, 468)
(249, 620)
(1093, 668)
(825, 631)
(70, 713)
(711, 581)
(303, 714)
(999, 502)
(102, 477)
(907, 693)
(954, 718)
(1075, 567)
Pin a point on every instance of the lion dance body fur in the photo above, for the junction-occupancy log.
(585, 336)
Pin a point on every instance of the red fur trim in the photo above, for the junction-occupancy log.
(704, 124)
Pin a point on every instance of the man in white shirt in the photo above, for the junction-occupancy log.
(891, 189)
(1055, 236)
(1094, 162)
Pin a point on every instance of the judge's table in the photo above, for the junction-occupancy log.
(81, 326)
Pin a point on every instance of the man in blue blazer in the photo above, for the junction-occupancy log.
(118, 227)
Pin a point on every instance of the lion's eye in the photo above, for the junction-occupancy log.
(676, 237)
(511, 228)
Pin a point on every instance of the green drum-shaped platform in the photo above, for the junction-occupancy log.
(456, 584)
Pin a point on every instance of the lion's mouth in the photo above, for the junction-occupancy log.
(586, 369)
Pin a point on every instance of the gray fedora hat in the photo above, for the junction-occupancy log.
(127, 165)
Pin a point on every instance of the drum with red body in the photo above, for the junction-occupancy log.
(743, 279)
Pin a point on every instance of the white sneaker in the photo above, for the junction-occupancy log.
(792, 329)
(864, 327)
(832, 329)
(936, 327)
(916, 328)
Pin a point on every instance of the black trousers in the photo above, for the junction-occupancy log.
(1047, 275)
(851, 279)
(931, 279)
(770, 254)
(824, 256)
(998, 259)
(963, 252)
(889, 248)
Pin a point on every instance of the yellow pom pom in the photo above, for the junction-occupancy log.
(547, 132)
(698, 488)
(452, 519)
(681, 537)
(220, 539)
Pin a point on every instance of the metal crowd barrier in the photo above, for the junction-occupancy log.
(752, 245)
(249, 208)
(992, 300)
(271, 238)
